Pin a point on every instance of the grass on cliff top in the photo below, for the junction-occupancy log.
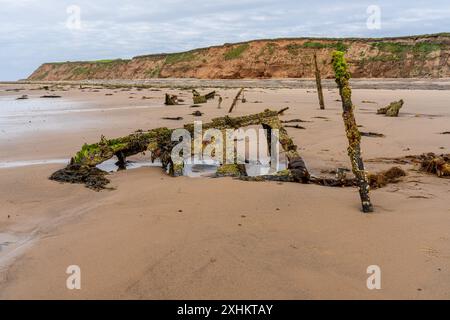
(402, 48)
(236, 52)
(107, 61)
(397, 51)
(174, 58)
(294, 48)
(103, 61)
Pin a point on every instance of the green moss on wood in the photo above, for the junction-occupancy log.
(229, 170)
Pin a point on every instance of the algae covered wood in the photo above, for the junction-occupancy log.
(159, 142)
(137, 142)
(354, 137)
(392, 110)
(199, 99)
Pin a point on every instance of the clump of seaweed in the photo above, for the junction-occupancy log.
(92, 177)
(392, 110)
(439, 165)
(383, 178)
(427, 162)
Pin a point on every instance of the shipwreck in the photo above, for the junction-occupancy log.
(160, 144)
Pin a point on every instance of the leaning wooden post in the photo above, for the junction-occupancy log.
(354, 137)
(235, 100)
(319, 84)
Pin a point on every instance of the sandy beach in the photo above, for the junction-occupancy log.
(158, 237)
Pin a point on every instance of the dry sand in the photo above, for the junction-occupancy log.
(232, 239)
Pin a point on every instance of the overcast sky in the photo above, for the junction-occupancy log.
(37, 31)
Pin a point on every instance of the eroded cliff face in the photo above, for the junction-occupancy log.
(406, 57)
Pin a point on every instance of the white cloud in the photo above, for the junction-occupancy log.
(33, 32)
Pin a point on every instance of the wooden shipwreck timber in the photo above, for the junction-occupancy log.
(354, 136)
(160, 143)
(83, 166)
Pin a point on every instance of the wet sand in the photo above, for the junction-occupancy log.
(232, 239)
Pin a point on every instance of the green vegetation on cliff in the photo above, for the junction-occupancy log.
(236, 52)
(415, 56)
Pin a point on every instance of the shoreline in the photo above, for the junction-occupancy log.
(290, 83)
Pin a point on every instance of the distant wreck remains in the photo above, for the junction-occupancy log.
(392, 110)
(199, 99)
(171, 100)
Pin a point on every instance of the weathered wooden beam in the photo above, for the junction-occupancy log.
(354, 137)
(319, 83)
(392, 110)
(235, 100)
(171, 100)
(199, 99)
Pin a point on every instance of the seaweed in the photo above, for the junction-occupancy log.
(92, 177)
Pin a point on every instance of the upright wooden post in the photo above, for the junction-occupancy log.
(354, 137)
(319, 84)
(235, 100)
